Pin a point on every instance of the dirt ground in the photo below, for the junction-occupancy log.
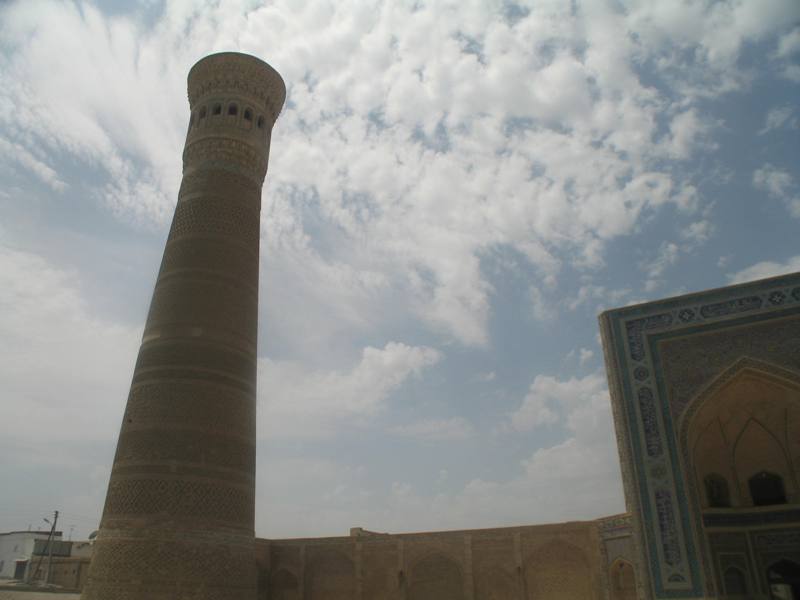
(19, 595)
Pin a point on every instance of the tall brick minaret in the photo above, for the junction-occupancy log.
(179, 512)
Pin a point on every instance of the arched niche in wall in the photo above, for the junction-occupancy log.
(760, 457)
(784, 578)
(496, 583)
(435, 577)
(329, 575)
(560, 570)
(745, 422)
(622, 580)
(713, 464)
(767, 489)
(283, 585)
(717, 491)
(734, 583)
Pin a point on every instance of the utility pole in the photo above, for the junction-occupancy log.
(48, 546)
(50, 554)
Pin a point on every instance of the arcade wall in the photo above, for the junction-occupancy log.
(569, 561)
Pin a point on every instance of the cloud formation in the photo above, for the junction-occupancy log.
(447, 180)
(778, 184)
(437, 132)
(65, 372)
(300, 402)
(454, 428)
(575, 478)
(765, 269)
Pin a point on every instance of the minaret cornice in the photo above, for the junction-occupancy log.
(229, 73)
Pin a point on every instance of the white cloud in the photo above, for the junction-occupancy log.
(536, 411)
(14, 152)
(454, 428)
(789, 43)
(308, 496)
(779, 117)
(311, 302)
(714, 34)
(541, 138)
(576, 478)
(541, 308)
(698, 232)
(693, 235)
(122, 112)
(555, 479)
(600, 295)
(300, 402)
(765, 269)
(418, 143)
(59, 365)
(486, 377)
(773, 180)
(585, 356)
(550, 400)
(792, 73)
(688, 132)
(667, 256)
(780, 185)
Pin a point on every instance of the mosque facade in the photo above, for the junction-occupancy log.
(706, 396)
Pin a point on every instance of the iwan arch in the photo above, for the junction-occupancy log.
(741, 438)
(705, 390)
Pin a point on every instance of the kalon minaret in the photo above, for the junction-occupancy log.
(179, 513)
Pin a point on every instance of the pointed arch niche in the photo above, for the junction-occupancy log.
(284, 586)
(622, 577)
(330, 574)
(744, 425)
(558, 569)
(436, 577)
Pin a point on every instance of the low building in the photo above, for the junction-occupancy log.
(16, 550)
(28, 556)
(65, 565)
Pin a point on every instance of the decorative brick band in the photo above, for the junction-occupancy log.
(156, 573)
(193, 403)
(211, 449)
(205, 303)
(201, 256)
(208, 215)
(189, 499)
(177, 352)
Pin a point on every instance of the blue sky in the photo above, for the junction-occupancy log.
(456, 190)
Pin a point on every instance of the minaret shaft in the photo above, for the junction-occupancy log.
(179, 513)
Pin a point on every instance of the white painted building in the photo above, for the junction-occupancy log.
(16, 550)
